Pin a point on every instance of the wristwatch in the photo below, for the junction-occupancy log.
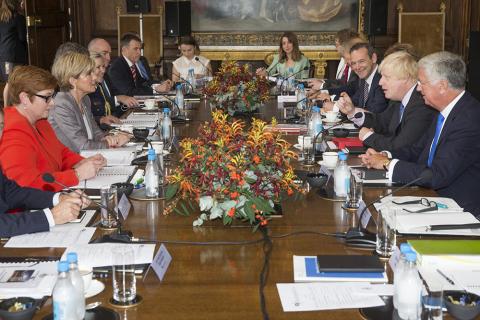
(386, 163)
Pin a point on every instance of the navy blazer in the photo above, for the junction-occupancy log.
(98, 101)
(376, 101)
(122, 80)
(456, 164)
(391, 133)
(13, 196)
(335, 87)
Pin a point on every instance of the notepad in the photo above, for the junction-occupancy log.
(114, 156)
(108, 176)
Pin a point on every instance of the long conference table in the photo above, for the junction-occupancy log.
(222, 281)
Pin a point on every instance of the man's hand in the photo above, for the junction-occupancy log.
(345, 105)
(165, 86)
(363, 132)
(67, 210)
(130, 102)
(76, 194)
(373, 159)
(109, 120)
(316, 84)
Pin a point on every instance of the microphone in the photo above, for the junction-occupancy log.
(184, 81)
(362, 238)
(326, 130)
(292, 75)
(177, 108)
(209, 70)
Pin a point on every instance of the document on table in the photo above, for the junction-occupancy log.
(27, 279)
(114, 156)
(108, 176)
(327, 296)
(100, 254)
(55, 238)
(463, 278)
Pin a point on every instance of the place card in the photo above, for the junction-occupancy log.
(366, 216)
(292, 98)
(161, 261)
(124, 206)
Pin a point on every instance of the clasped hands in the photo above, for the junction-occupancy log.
(373, 159)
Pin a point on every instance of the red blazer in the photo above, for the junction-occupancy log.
(26, 154)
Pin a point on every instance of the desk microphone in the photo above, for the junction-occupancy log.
(326, 130)
(185, 81)
(198, 60)
(292, 75)
(361, 237)
(179, 116)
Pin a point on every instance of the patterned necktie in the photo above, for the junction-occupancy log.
(108, 107)
(345, 74)
(365, 93)
(440, 120)
(134, 72)
(400, 112)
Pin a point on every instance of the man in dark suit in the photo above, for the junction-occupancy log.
(130, 73)
(406, 117)
(65, 208)
(107, 107)
(450, 149)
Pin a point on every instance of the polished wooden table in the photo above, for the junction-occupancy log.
(222, 281)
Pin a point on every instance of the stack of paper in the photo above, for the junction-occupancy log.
(305, 269)
(108, 176)
(114, 156)
(58, 237)
(447, 253)
(288, 128)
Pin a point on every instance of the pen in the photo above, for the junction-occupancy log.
(453, 226)
(445, 277)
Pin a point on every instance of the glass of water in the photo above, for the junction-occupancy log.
(123, 275)
(386, 236)
(433, 302)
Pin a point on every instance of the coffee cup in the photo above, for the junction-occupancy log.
(150, 103)
(87, 275)
(331, 116)
(330, 159)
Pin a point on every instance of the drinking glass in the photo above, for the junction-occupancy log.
(433, 302)
(123, 274)
(386, 236)
(109, 214)
(354, 195)
(307, 150)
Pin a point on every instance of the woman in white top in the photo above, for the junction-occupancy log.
(190, 59)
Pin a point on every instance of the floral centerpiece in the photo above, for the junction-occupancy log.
(235, 89)
(229, 172)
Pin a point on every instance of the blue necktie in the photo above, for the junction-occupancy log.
(401, 110)
(143, 71)
(440, 120)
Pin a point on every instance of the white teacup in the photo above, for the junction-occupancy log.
(331, 116)
(87, 274)
(127, 128)
(150, 103)
(330, 159)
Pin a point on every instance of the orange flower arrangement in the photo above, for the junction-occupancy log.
(232, 173)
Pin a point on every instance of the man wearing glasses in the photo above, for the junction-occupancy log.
(450, 148)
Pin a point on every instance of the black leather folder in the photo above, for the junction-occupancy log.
(349, 263)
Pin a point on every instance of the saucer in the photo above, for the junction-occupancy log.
(149, 109)
(95, 288)
(322, 163)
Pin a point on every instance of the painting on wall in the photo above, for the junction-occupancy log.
(274, 15)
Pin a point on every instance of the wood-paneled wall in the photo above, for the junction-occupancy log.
(97, 18)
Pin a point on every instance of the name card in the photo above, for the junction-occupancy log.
(366, 216)
(287, 98)
(124, 206)
(161, 261)
(394, 258)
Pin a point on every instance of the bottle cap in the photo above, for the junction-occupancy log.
(411, 256)
(72, 257)
(405, 247)
(166, 110)
(179, 86)
(301, 86)
(342, 156)
(62, 266)
(315, 109)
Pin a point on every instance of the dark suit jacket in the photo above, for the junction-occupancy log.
(456, 164)
(335, 87)
(13, 40)
(12, 196)
(98, 101)
(390, 133)
(376, 101)
(122, 80)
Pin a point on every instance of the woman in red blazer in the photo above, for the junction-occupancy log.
(29, 147)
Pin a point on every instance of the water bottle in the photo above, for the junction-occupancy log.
(179, 97)
(291, 80)
(166, 127)
(77, 283)
(399, 269)
(410, 290)
(151, 176)
(341, 176)
(301, 98)
(191, 80)
(64, 295)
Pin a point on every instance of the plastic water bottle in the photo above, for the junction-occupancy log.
(77, 283)
(166, 127)
(410, 290)
(341, 176)
(399, 269)
(179, 100)
(64, 295)
(291, 80)
(151, 175)
(191, 80)
(301, 98)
